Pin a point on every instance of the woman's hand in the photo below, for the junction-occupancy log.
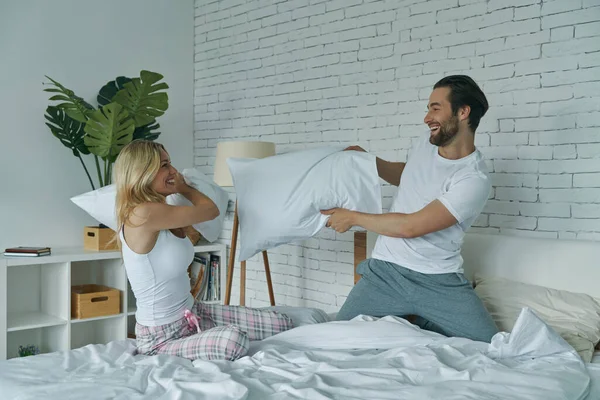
(179, 183)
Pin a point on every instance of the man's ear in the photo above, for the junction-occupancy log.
(464, 112)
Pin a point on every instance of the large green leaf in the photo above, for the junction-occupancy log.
(67, 130)
(108, 130)
(109, 90)
(73, 105)
(147, 132)
(142, 99)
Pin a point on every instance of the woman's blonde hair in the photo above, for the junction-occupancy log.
(133, 173)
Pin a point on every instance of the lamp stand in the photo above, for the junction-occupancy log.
(231, 263)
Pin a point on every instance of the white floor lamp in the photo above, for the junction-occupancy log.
(222, 177)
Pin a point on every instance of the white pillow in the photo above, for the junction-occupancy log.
(210, 230)
(280, 198)
(100, 203)
(574, 316)
(361, 332)
(302, 315)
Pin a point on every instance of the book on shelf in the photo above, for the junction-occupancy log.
(27, 251)
(215, 265)
(200, 262)
(210, 274)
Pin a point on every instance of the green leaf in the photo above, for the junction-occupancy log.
(147, 132)
(73, 105)
(67, 130)
(108, 130)
(59, 97)
(142, 99)
(109, 90)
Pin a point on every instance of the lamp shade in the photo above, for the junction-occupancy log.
(238, 149)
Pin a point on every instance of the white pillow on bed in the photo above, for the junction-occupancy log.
(362, 332)
(100, 203)
(575, 316)
(280, 198)
(302, 315)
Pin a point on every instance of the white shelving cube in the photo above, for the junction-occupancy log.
(38, 296)
(48, 339)
(35, 298)
(98, 330)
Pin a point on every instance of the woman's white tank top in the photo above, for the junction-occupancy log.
(159, 279)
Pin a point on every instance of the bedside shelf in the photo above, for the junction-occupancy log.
(37, 310)
(30, 320)
(84, 320)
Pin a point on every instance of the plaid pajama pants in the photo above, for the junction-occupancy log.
(225, 334)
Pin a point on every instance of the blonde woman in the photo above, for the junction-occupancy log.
(156, 254)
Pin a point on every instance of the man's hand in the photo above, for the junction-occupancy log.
(340, 219)
(355, 148)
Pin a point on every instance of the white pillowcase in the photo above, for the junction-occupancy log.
(361, 332)
(301, 315)
(100, 203)
(210, 230)
(280, 198)
(574, 316)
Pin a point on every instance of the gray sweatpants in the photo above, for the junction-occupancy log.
(443, 303)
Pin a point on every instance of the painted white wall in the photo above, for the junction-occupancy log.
(83, 45)
(306, 73)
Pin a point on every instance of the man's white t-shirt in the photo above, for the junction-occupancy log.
(462, 186)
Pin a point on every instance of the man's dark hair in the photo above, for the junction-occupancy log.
(465, 92)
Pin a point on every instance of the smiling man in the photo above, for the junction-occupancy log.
(416, 266)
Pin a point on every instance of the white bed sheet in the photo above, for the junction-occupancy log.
(316, 362)
(594, 371)
(596, 357)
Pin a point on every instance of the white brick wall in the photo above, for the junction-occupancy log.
(306, 73)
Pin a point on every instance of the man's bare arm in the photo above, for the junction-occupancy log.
(387, 170)
(390, 171)
(432, 218)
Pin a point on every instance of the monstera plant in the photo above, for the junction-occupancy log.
(127, 110)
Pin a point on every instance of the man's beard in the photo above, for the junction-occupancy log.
(446, 134)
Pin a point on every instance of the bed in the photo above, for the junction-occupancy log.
(366, 358)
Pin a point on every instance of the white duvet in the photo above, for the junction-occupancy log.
(360, 359)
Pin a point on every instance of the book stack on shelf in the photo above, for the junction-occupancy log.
(23, 251)
(209, 274)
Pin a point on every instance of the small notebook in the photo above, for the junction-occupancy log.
(25, 251)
